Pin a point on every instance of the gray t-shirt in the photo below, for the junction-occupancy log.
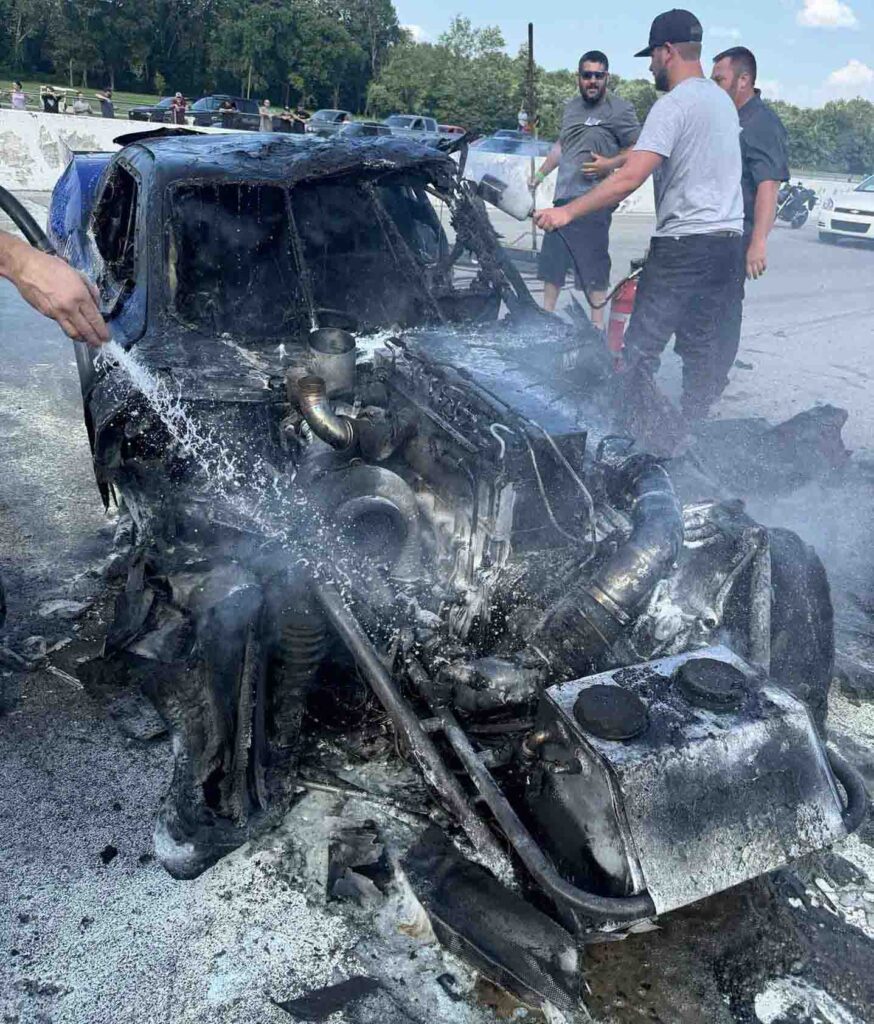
(604, 128)
(697, 187)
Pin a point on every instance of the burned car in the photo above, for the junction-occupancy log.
(353, 465)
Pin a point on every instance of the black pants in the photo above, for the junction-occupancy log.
(730, 325)
(685, 290)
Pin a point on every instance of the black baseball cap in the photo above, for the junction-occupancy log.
(677, 26)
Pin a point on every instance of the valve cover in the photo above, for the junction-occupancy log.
(683, 776)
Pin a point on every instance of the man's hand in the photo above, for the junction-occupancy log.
(757, 259)
(549, 220)
(58, 292)
(598, 167)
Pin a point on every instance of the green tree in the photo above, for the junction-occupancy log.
(639, 93)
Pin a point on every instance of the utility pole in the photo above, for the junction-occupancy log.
(531, 104)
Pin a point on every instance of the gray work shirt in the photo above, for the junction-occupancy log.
(764, 152)
(697, 186)
(605, 128)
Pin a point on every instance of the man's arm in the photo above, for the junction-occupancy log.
(54, 289)
(601, 166)
(764, 214)
(553, 158)
(638, 166)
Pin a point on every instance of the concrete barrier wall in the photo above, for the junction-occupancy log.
(35, 148)
(516, 170)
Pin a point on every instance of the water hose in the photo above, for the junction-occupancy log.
(24, 221)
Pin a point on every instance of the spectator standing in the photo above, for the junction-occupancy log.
(597, 131)
(51, 100)
(81, 106)
(764, 156)
(107, 108)
(18, 97)
(689, 143)
(285, 120)
(265, 114)
(228, 113)
(178, 108)
(299, 120)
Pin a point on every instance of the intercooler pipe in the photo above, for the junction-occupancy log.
(337, 431)
(599, 608)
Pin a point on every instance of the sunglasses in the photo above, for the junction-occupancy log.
(597, 75)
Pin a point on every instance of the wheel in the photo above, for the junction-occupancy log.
(799, 219)
(828, 237)
(802, 623)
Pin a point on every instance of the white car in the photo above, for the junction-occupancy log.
(848, 214)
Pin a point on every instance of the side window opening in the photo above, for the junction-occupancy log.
(114, 229)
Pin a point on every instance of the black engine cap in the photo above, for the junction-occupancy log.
(712, 684)
(611, 712)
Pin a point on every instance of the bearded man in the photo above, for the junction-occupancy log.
(597, 131)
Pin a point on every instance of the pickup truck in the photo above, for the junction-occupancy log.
(414, 126)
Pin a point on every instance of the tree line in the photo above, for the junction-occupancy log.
(351, 54)
(323, 52)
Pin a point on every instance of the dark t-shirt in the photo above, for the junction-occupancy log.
(106, 108)
(764, 152)
(50, 104)
(604, 128)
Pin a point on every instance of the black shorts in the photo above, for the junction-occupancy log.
(588, 238)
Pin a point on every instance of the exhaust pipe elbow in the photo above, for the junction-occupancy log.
(337, 431)
(597, 611)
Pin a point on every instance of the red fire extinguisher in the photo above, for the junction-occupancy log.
(621, 308)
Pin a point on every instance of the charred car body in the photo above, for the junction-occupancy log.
(615, 692)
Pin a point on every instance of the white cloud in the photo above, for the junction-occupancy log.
(721, 32)
(827, 14)
(771, 88)
(854, 79)
(417, 32)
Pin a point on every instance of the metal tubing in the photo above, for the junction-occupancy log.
(337, 431)
(854, 786)
(407, 724)
(604, 909)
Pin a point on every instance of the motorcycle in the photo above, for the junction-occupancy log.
(794, 203)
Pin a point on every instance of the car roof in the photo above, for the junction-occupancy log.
(282, 158)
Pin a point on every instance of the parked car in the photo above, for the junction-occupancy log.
(414, 126)
(848, 214)
(205, 113)
(154, 112)
(328, 122)
(363, 129)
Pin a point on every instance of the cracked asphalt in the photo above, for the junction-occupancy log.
(91, 929)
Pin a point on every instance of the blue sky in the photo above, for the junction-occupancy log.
(809, 51)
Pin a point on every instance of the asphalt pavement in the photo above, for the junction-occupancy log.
(93, 931)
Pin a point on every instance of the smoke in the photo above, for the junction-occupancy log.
(837, 519)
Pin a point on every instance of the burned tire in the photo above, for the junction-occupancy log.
(802, 622)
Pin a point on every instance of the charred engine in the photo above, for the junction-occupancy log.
(597, 655)
(629, 680)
